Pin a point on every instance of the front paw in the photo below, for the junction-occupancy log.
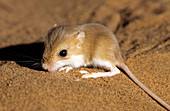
(67, 68)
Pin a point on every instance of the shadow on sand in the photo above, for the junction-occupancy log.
(27, 55)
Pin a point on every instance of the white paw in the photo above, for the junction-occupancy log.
(115, 70)
(102, 74)
(86, 76)
(99, 74)
(96, 75)
(67, 68)
(83, 72)
(62, 68)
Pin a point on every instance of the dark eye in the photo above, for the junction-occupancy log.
(63, 53)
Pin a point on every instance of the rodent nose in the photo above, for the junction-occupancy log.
(48, 66)
(44, 66)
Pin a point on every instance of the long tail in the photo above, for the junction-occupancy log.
(150, 93)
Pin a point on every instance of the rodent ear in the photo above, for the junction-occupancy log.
(55, 25)
(80, 38)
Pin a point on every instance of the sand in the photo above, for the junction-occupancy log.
(142, 28)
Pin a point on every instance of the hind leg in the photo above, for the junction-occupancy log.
(113, 71)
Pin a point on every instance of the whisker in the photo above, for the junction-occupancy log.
(36, 64)
(26, 64)
(31, 64)
(29, 57)
(26, 61)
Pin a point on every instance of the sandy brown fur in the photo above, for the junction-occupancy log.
(99, 42)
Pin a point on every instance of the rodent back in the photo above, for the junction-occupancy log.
(100, 42)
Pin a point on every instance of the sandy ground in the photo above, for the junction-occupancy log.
(142, 28)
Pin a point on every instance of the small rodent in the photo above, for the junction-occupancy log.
(73, 46)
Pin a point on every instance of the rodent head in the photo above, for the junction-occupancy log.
(62, 45)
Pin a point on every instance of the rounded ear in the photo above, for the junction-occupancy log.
(55, 25)
(80, 38)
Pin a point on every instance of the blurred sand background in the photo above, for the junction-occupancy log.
(142, 28)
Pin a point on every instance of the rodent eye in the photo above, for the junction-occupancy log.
(63, 53)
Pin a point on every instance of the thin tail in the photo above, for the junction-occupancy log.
(150, 93)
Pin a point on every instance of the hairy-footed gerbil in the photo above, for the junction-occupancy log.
(73, 46)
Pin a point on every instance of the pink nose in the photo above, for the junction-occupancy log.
(50, 67)
(44, 66)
